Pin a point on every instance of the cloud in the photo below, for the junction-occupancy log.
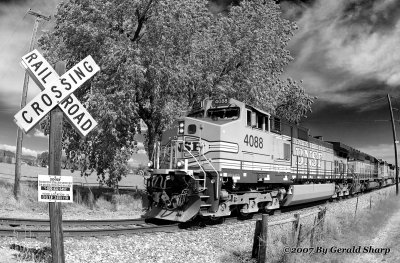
(39, 134)
(345, 44)
(15, 34)
(25, 151)
(12, 1)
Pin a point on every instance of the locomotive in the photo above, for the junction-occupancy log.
(226, 156)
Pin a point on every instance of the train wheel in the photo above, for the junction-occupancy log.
(244, 215)
(215, 220)
(270, 212)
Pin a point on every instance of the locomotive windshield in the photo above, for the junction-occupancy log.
(196, 114)
(223, 113)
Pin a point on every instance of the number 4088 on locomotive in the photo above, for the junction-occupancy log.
(226, 156)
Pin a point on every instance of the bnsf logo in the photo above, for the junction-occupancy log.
(190, 146)
(305, 156)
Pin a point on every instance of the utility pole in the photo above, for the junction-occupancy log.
(395, 146)
(20, 135)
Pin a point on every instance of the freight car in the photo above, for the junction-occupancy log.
(227, 156)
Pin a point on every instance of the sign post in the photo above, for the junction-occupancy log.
(55, 152)
(57, 98)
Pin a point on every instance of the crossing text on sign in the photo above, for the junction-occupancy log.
(55, 90)
(75, 112)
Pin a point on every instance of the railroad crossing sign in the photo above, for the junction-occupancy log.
(56, 90)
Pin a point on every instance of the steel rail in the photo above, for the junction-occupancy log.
(34, 233)
(125, 225)
(46, 222)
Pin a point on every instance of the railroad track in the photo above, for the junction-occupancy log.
(34, 228)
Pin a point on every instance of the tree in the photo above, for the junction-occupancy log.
(43, 159)
(242, 55)
(157, 58)
(293, 103)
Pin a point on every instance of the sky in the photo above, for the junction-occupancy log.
(15, 35)
(346, 52)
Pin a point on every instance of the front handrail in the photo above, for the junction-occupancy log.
(208, 160)
(200, 166)
(212, 166)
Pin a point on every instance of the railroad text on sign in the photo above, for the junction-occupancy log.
(76, 113)
(58, 89)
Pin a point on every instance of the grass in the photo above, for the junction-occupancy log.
(7, 172)
(341, 229)
(347, 230)
(26, 203)
(122, 206)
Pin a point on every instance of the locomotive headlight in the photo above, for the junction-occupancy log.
(150, 164)
(181, 127)
(180, 164)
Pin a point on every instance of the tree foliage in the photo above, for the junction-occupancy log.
(158, 57)
(43, 159)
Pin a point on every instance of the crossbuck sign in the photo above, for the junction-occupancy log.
(56, 90)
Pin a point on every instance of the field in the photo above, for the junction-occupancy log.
(128, 205)
(30, 173)
(27, 207)
(374, 229)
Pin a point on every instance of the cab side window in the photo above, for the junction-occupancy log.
(248, 118)
(257, 120)
(276, 125)
(260, 121)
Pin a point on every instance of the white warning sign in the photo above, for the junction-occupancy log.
(55, 188)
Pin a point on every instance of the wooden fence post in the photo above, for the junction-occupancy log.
(370, 202)
(78, 196)
(323, 218)
(312, 233)
(262, 253)
(90, 200)
(320, 218)
(299, 236)
(295, 227)
(355, 212)
(256, 240)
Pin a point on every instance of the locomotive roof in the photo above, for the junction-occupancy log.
(352, 152)
(257, 109)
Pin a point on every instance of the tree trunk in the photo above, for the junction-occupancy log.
(151, 138)
(116, 188)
